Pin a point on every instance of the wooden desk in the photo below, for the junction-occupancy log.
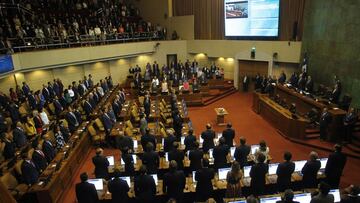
(280, 117)
(304, 104)
(220, 116)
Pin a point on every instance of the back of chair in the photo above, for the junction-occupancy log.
(141, 100)
(9, 181)
(129, 132)
(99, 124)
(52, 108)
(129, 124)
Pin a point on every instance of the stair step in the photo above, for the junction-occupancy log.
(353, 148)
(312, 136)
(214, 99)
(312, 131)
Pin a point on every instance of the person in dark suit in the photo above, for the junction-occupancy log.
(45, 92)
(151, 159)
(178, 124)
(208, 136)
(325, 120)
(144, 186)
(39, 158)
(129, 162)
(14, 112)
(177, 155)
(195, 156)
(169, 141)
(25, 88)
(335, 94)
(58, 107)
(101, 164)
(349, 123)
(189, 141)
(245, 83)
(257, 174)
(19, 135)
(309, 87)
(220, 154)
(29, 172)
(310, 170)
(147, 138)
(124, 141)
(284, 172)
(242, 152)
(174, 182)
(203, 177)
(48, 149)
(118, 188)
(282, 78)
(287, 197)
(32, 101)
(335, 166)
(71, 119)
(87, 107)
(229, 135)
(9, 148)
(86, 192)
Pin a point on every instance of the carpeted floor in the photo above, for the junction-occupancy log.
(247, 124)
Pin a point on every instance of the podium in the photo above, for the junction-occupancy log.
(220, 116)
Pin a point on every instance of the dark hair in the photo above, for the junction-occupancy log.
(229, 125)
(338, 148)
(176, 145)
(205, 162)
(324, 188)
(117, 173)
(142, 169)
(173, 165)
(261, 158)
(288, 195)
(149, 146)
(222, 140)
(287, 156)
(242, 140)
(196, 145)
(190, 132)
(84, 177)
(262, 144)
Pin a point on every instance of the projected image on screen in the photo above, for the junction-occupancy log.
(252, 18)
(237, 9)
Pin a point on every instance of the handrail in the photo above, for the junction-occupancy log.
(16, 6)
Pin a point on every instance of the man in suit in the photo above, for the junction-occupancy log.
(32, 101)
(287, 197)
(71, 119)
(118, 188)
(107, 121)
(335, 166)
(19, 135)
(124, 141)
(174, 182)
(310, 170)
(48, 149)
(39, 157)
(309, 84)
(242, 152)
(245, 83)
(101, 164)
(208, 136)
(151, 159)
(45, 92)
(189, 141)
(87, 107)
(257, 174)
(323, 195)
(177, 155)
(282, 78)
(203, 177)
(284, 172)
(335, 94)
(195, 156)
(229, 135)
(25, 88)
(169, 141)
(86, 192)
(178, 124)
(147, 138)
(144, 186)
(325, 120)
(29, 172)
(349, 123)
(220, 154)
(58, 107)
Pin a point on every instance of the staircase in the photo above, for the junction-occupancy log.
(219, 93)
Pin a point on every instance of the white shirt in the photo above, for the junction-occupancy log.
(71, 93)
(44, 118)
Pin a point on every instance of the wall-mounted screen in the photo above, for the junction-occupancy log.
(6, 64)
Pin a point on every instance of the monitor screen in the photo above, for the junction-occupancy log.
(134, 158)
(162, 141)
(166, 156)
(273, 168)
(323, 162)
(336, 194)
(193, 176)
(247, 171)
(211, 153)
(127, 179)
(6, 64)
(219, 135)
(201, 140)
(154, 176)
(303, 198)
(110, 160)
(182, 140)
(252, 18)
(223, 173)
(232, 151)
(299, 165)
(135, 144)
(97, 182)
(242, 201)
(270, 199)
(254, 148)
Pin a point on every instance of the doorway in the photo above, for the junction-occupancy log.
(170, 58)
(251, 68)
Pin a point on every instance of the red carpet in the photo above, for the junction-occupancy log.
(247, 124)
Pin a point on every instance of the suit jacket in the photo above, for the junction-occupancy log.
(151, 160)
(19, 137)
(101, 166)
(325, 119)
(178, 156)
(241, 153)
(32, 101)
(309, 172)
(86, 193)
(49, 151)
(229, 135)
(322, 198)
(116, 108)
(174, 184)
(9, 149)
(46, 93)
(108, 124)
(39, 160)
(147, 138)
(335, 165)
(257, 174)
(195, 157)
(119, 190)
(208, 137)
(169, 143)
(145, 188)
(189, 142)
(204, 187)
(125, 141)
(220, 152)
(72, 121)
(284, 172)
(29, 172)
(88, 108)
(26, 89)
